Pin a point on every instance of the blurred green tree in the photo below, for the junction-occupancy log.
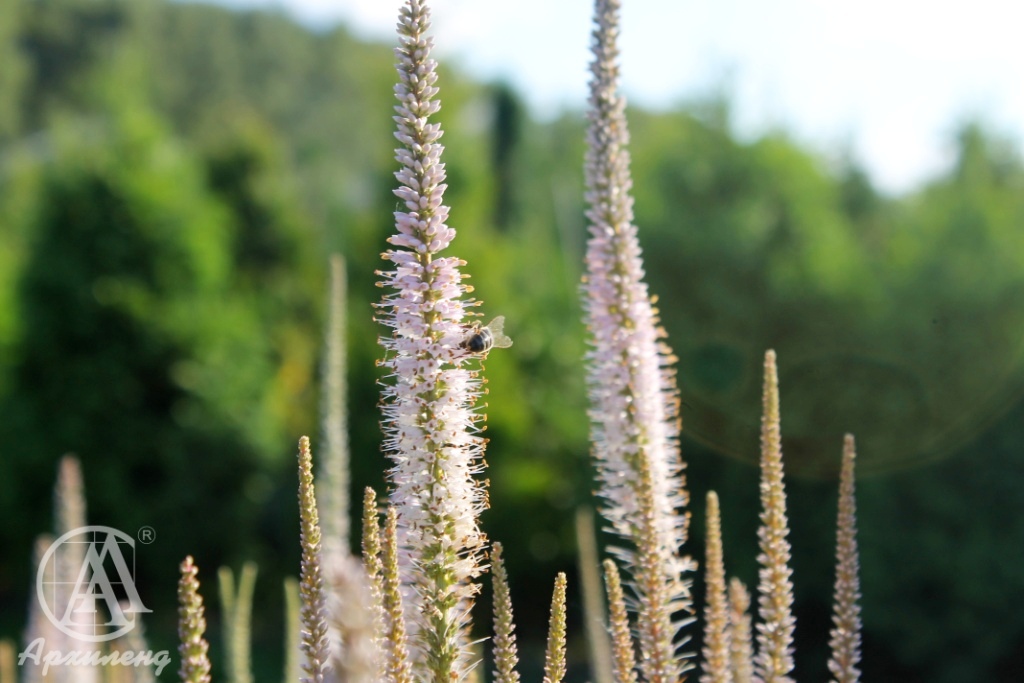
(146, 347)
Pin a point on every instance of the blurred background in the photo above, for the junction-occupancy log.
(173, 177)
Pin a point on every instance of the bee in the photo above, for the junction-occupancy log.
(490, 336)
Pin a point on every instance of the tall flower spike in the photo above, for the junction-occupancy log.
(431, 431)
(352, 618)
(589, 565)
(313, 613)
(39, 624)
(372, 561)
(716, 608)
(193, 648)
(633, 397)
(396, 651)
(741, 649)
(623, 656)
(334, 467)
(69, 498)
(69, 514)
(236, 621)
(845, 641)
(505, 652)
(774, 659)
(134, 641)
(554, 657)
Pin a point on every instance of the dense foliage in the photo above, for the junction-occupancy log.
(172, 177)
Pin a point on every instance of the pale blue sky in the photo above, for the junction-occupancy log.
(889, 79)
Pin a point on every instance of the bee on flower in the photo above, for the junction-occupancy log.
(481, 339)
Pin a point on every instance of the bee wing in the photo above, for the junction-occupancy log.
(497, 328)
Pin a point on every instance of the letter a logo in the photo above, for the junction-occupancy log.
(82, 570)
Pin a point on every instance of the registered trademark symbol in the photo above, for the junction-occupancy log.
(147, 534)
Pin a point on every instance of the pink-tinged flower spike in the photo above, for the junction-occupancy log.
(430, 424)
(774, 659)
(39, 624)
(845, 642)
(633, 397)
(352, 621)
(69, 514)
(193, 648)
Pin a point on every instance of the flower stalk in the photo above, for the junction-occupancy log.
(352, 618)
(193, 648)
(741, 647)
(633, 397)
(623, 656)
(429, 397)
(236, 618)
(506, 655)
(334, 467)
(372, 561)
(554, 657)
(396, 645)
(313, 613)
(589, 565)
(774, 660)
(845, 636)
(716, 609)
